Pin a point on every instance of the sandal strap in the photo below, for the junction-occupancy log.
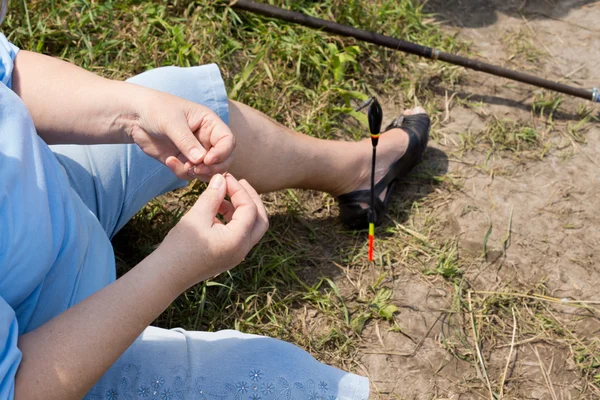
(416, 124)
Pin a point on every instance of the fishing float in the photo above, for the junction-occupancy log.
(375, 117)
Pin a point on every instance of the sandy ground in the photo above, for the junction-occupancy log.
(553, 202)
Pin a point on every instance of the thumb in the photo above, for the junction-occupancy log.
(207, 205)
(181, 135)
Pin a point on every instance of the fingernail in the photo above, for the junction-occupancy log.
(196, 154)
(216, 181)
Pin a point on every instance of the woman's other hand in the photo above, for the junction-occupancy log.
(201, 246)
(190, 139)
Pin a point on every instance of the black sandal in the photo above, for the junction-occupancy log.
(351, 212)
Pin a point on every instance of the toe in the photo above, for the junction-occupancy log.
(415, 111)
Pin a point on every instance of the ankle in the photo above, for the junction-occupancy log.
(356, 171)
(350, 185)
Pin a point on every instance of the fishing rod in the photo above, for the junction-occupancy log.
(411, 48)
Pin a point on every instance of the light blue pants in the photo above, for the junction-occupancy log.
(115, 181)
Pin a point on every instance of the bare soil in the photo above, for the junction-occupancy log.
(538, 208)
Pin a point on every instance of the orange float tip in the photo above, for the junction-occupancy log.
(371, 240)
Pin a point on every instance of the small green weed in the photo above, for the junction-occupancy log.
(447, 266)
(520, 47)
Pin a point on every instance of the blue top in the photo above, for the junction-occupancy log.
(53, 251)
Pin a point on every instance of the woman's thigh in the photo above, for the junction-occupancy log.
(115, 181)
(176, 364)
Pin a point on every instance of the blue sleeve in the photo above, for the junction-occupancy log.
(10, 355)
(8, 52)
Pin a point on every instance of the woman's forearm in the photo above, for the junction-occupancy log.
(64, 358)
(70, 105)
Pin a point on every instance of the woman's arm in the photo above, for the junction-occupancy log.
(65, 357)
(70, 105)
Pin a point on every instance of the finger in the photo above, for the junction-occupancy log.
(180, 134)
(209, 202)
(262, 222)
(222, 144)
(204, 137)
(255, 197)
(210, 170)
(226, 210)
(179, 168)
(202, 169)
(245, 212)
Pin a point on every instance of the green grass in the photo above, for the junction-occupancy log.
(308, 281)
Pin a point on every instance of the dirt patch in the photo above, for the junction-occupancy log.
(524, 224)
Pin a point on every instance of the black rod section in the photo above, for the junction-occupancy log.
(411, 48)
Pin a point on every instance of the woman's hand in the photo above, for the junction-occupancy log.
(201, 246)
(188, 138)
(88, 109)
